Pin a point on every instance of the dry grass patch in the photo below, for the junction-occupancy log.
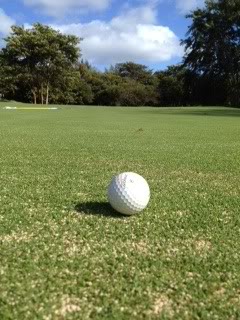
(182, 213)
(74, 246)
(162, 305)
(220, 292)
(68, 305)
(202, 246)
(189, 246)
(16, 237)
(141, 247)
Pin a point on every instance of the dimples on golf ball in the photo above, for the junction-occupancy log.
(128, 193)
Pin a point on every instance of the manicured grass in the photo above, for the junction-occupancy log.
(65, 254)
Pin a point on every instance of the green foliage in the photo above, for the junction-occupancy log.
(72, 90)
(134, 71)
(111, 89)
(171, 86)
(42, 65)
(213, 45)
(10, 78)
(40, 57)
(138, 85)
(134, 93)
(107, 89)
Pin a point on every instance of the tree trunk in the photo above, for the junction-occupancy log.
(42, 97)
(34, 96)
(47, 94)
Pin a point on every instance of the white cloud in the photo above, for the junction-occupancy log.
(5, 26)
(5, 23)
(58, 8)
(185, 6)
(132, 16)
(134, 35)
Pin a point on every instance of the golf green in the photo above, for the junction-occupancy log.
(65, 254)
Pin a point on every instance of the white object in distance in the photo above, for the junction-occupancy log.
(128, 193)
(10, 108)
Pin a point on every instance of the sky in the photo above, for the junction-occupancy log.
(113, 31)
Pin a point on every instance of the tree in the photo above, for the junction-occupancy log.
(108, 89)
(41, 56)
(134, 93)
(213, 45)
(4, 85)
(72, 90)
(139, 85)
(171, 86)
(113, 90)
(134, 71)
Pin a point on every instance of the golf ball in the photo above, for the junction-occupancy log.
(128, 193)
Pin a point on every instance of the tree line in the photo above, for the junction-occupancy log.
(42, 65)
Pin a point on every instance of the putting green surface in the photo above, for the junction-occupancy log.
(65, 254)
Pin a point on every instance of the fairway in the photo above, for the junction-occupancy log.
(65, 254)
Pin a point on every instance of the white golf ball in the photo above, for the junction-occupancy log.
(128, 193)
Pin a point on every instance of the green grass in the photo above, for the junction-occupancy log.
(65, 254)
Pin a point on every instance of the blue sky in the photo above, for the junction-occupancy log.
(144, 31)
